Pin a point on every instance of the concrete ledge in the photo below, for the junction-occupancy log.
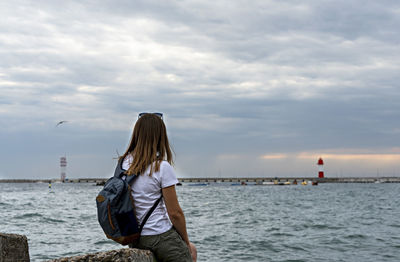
(119, 255)
(13, 248)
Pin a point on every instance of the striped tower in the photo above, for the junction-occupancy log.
(63, 167)
(320, 168)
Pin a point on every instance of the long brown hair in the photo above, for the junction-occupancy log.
(149, 144)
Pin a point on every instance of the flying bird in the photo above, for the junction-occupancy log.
(61, 122)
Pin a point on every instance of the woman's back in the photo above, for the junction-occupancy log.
(146, 190)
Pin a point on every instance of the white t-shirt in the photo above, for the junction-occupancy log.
(146, 190)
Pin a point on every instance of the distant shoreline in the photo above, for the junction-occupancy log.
(255, 180)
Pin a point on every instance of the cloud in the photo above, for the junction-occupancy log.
(266, 78)
(274, 156)
(350, 154)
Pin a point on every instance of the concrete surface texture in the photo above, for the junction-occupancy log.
(13, 248)
(119, 255)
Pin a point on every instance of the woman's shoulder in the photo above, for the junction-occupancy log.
(167, 174)
(127, 161)
(165, 166)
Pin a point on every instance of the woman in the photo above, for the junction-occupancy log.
(149, 155)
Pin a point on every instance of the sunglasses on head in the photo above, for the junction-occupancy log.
(160, 115)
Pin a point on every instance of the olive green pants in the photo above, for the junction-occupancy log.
(167, 246)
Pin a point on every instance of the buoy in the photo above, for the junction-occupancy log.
(320, 168)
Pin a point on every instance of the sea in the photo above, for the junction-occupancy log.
(328, 222)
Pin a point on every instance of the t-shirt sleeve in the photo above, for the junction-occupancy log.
(168, 176)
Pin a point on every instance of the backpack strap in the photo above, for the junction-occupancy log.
(120, 172)
(149, 213)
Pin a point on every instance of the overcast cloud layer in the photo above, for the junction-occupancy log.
(259, 88)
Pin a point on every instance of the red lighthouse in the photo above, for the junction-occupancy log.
(320, 168)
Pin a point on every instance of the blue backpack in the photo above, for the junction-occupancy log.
(116, 210)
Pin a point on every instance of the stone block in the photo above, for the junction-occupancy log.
(119, 255)
(13, 248)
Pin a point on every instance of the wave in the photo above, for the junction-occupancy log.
(42, 218)
(52, 220)
(281, 234)
(28, 215)
(101, 242)
(321, 226)
(356, 236)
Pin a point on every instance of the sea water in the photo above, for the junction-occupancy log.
(328, 222)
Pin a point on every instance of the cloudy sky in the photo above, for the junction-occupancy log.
(248, 88)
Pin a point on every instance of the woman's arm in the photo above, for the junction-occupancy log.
(175, 212)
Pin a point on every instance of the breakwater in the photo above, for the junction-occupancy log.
(261, 180)
(255, 180)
